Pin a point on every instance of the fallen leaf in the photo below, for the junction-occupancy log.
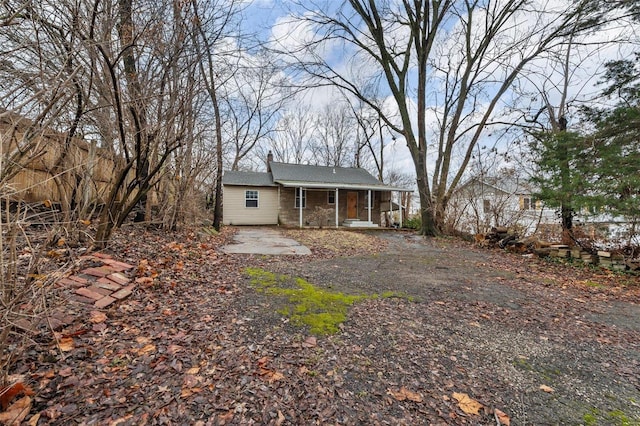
(404, 393)
(502, 417)
(66, 344)
(190, 381)
(467, 404)
(193, 370)
(310, 342)
(97, 317)
(33, 421)
(546, 388)
(173, 349)
(65, 372)
(16, 412)
(7, 393)
(186, 392)
(280, 419)
(85, 222)
(275, 376)
(147, 349)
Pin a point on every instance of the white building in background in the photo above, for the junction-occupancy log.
(506, 201)
(485, 202)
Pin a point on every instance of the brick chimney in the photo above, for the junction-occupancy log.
(269, 160)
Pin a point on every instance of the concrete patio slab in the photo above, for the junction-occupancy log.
(263, 241)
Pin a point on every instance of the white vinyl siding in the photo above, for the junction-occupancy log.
(236, 212)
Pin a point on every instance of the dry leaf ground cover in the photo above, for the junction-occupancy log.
(439, 333)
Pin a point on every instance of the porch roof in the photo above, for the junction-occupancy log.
(329, 186)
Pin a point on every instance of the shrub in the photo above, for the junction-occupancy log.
(414, 222)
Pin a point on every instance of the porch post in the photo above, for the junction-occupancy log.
(369, 205)
(300, 205)
(391, 207)
(400, 206)
(337, 207)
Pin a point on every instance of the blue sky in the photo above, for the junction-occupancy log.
(261, 15)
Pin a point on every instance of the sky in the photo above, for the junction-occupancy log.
(270, 19)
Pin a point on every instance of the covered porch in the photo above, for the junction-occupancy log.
(346, 206)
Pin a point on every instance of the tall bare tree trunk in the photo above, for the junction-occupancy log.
(217, 209)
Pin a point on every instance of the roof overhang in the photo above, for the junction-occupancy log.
(250, 184)
(354, 186)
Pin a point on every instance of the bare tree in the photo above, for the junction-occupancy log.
(290, 141)
(255, 99)
(147, 95)
(333, 136)
(213, 21)
(488, 45)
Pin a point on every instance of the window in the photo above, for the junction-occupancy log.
(304, 198)
(251, 199)
(528, 203)
(366, 199)
(486, 206)
(331, 197)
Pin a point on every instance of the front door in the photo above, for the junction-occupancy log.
(352, 205)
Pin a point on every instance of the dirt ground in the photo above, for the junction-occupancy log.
(493, 325)
(469, 337)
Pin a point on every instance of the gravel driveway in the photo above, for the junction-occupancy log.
(498, 327)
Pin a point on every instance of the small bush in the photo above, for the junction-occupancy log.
(414, 222)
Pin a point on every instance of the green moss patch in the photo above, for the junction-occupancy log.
(320, 309)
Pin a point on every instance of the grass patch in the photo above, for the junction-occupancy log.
(614, 417)
(320, 309)
(593, 284)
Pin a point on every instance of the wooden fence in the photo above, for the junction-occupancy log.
(31, 161)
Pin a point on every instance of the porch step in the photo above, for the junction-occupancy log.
(355, 223)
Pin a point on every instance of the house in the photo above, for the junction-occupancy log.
(305, 195)
(483, 202)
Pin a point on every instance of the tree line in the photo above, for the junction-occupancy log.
(181, 90)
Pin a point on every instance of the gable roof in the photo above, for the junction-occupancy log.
(505, 184)
(326, 177)
(302, 175)
(283, 172)
(233, 177)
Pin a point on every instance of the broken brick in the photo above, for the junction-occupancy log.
(101, 271)
(78, 279)
(100, 290)
(104, 302)
(66, 282)
(121, 294)
(84, 291)
(105, 282)
(102, 255)
(121, 266)
(118, 278)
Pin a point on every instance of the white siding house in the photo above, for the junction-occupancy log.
(482, 203)
(305, 195)
(249, 199)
